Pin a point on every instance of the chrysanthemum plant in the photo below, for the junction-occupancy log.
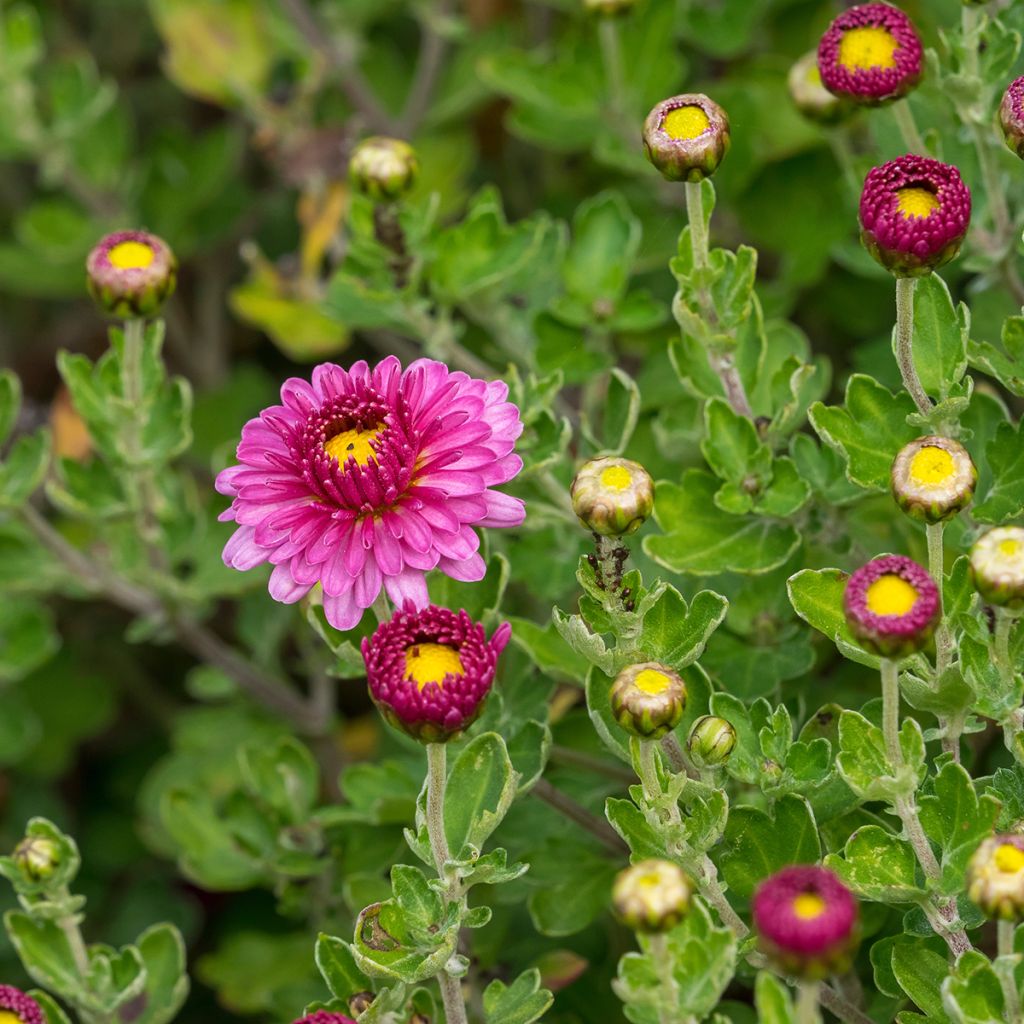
(760, 730)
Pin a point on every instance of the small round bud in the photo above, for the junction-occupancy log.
(995, 877)
(1011, 116)
(892, 606)
(711, 741)
(648, 700)
(933, 478)
(810, 97)
(997, 566)
(358, 1003)
(16, 1006)
(914, 214)
(37, 858)
(806, 921)
(325, 1017)
(383, 169)
(686, 137)
(131, 273)
(608, 8)
(652, 895)
(612, 496)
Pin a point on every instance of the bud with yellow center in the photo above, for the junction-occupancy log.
(997, 566)
(648, 700)
(810, 96)
(612, 496)
(38, 858)
(651, 895)
(995, 877)
(933, 478)
(711, 741)
(131, 273)
(686, 137)
(383, 169)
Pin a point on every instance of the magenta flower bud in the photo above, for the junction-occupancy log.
(892, 606)
(429, 671)
(15, 1006)
(1011, 116)
(648, 700)
(383, 169)
(131, 273)
(810, 97)
(933, 478)
(686, 137)
(871, 54)
(324, 1017)
(652, 895)
(914, 214)
(997, 566)
(995, 877)
(806, 921)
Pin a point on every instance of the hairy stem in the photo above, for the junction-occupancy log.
(908, 128)
(807, 1003)
(668, 989)
(698, 230)
(577, 813)
(1005, 965)
(952, 726)
(905, 343)
(611, 57)
(68, 924)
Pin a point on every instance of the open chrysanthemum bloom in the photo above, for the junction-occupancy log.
(933, 478)
(870, 54)
(806, 920)
(368, 478)
(995, 877)
(892, 606)
(914, 214)
(997, 566)
(430, 671)
(652, 895)
(685, 137)
(131, 273)
(648, 699)
(1011, 116)
(18, 1008)
(810, 96)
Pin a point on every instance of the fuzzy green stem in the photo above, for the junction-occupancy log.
(905, 343)
(645, 766)
(891, 713)
(68, 924)
(943, 636)
(611, 56)
(807, 1003)
(668, 989)
(712, 891)
(839, 140)
(908, 128)
(1001, 645)
(1005, 965)
(698, 229)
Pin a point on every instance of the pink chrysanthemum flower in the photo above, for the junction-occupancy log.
(430, 671)
(806, 920)
(368, 478)
(892, 606)
(14, 1002)
(870, 54)
(325, 1017)
(1011, 116)
(914, 214)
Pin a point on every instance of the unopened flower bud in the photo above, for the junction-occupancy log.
(360, 1002)
(997, 566)
(933, 478)
(1011, 116)
(686, 137)
(995, 877)
(37, 858)
(648, 700)
(383, 169)
(608, 8)
(131, 273)
(652, 895)
(325, 1017)
(612, 496)
(810, 97)
(710, 741)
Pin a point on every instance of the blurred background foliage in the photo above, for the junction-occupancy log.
(225, 126)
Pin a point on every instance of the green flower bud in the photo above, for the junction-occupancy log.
(383, 169)
(995, 877)
(652, 895)
(997, 566)
(933, 478)
(37, 858)
(810, 97)
(612, 496)
(710, 741)
(686, 137)
(131, 273)
(648, 700)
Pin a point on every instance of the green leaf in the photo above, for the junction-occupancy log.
(972, 993)
(521, 1002)
(52, 1011)
(675, 634)
(1005, 497)
(28, 637)
(864, 764)
(390, 944)
(1006, 364)
(620, 412)
(10, 403)
(284, 775)
(878, 866)
(868, 430)
(920, 974)
(773, 1001)
(480, 790)
(336, 963)
(940, 336)
(817, 597)
(731, 446)
(605, 238)
(46, 954)
(163, 955)
(24, 469)
(548, 651)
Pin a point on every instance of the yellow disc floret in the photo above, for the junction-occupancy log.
(129, 256)
(808, 905)
(430, 663)
(354, 444)
(651, 681)
(867, 47)
(890, 595)
(1009, 547)
(616, 478)
(932, 467)
(1009, 859)
(685, 123)
(916, 202)
(6, 1017)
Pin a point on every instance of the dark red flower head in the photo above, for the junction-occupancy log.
(325, 1017)
(806, 920)
(870, 54)
(25, 1008)
(429, 671)
(892, 606)
(1011, 116)
(914, 214)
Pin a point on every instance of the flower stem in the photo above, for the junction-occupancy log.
(1005, 964)
(839, 140)
(645, 767)
(905, 343)
(807, 1003)
(68, 924)
(668, 989)
(611, 56)
(698, 230)
(891, 712)
(943, 635)
(908, 128)
(437, 777)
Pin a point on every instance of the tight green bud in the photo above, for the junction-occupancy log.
(648, 700)
(383, 169)
(37, 858)
(652, 895)
(710, 741)
(612, 496)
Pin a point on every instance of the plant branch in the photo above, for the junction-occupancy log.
(433, 50)
(577, 813)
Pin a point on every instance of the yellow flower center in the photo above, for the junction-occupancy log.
(127, 256)
(616, 478)
(891, 595)
(649, 879)
(931, 467)
(430, 663)
(808, 905)
(1009, 547)
(685, 123)
(916, 202)
(1009, 859)
(6, 1017)
(814, 75)
(353, 444)
(863, 48)
(651, 681)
